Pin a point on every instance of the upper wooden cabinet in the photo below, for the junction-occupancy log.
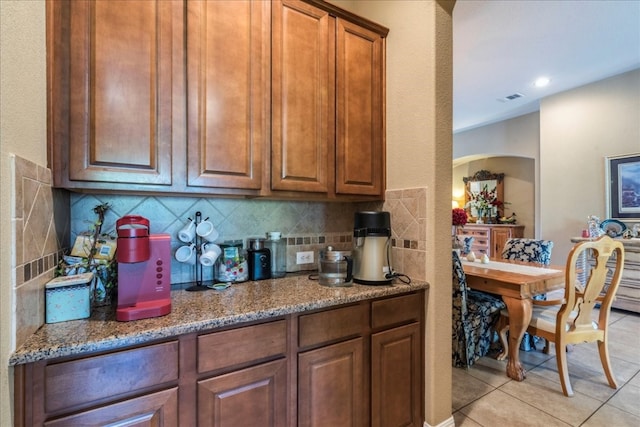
(228, 47)
(360, 156)
(112, 87)
(303, 94)
(281, 99)
(327, 102)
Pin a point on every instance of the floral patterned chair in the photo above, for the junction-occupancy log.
(528, 250)
(474, 314)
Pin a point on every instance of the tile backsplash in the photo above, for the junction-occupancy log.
(40, 231)
(46, 222)
(305, 225)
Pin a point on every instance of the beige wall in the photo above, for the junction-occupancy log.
(23, 132)
(510, 144)
(419, 122)
(578, 129)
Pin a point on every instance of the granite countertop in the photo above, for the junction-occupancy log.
(196, 311)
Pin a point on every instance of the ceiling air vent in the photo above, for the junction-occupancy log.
(511, 97)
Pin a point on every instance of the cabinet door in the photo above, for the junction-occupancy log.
(152, 410)
(500, 235)
(254, 396)
(228, 92)
(396, 377)
(330, 385)
(303, 93)
(113, 122)
(360, 148)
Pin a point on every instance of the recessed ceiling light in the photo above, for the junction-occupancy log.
(542, 81)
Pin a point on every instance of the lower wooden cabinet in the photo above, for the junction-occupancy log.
(331, 385)
(352, 365)
(396, 377)
(153, 410)
(255, 396)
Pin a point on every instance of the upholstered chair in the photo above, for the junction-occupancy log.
(474, 315)
(527, 250)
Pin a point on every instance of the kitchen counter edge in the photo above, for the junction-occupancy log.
(195, 312)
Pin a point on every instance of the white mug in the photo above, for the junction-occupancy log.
(188, 232)
(207, 231)
(186, 254)
(210, 253)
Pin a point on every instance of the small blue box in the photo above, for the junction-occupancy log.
(68, 298)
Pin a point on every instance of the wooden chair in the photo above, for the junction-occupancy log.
(474, 315)
(571, 320)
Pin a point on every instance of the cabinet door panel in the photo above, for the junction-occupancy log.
(359, 143)
(330, 385)
(303, 98)
(228, 92)
(250, 397)
(93, 379)
(152, 410)
(396, 377)
(120, 86)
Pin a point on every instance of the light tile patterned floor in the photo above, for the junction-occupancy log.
(484, 396)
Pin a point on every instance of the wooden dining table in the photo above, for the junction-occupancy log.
(516, 282)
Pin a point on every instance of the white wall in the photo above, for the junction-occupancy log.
(23, 132)
(578, 129)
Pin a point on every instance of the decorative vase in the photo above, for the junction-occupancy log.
(480, 220)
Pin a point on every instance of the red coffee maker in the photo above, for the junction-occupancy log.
(144, 270)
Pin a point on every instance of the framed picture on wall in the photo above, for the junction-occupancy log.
(623, 186)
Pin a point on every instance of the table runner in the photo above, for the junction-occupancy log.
(511, 268)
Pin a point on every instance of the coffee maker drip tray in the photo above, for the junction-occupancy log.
(144, 310)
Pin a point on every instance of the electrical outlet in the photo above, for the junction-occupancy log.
(304, 257)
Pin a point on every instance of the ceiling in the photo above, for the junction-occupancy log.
(501, 46)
